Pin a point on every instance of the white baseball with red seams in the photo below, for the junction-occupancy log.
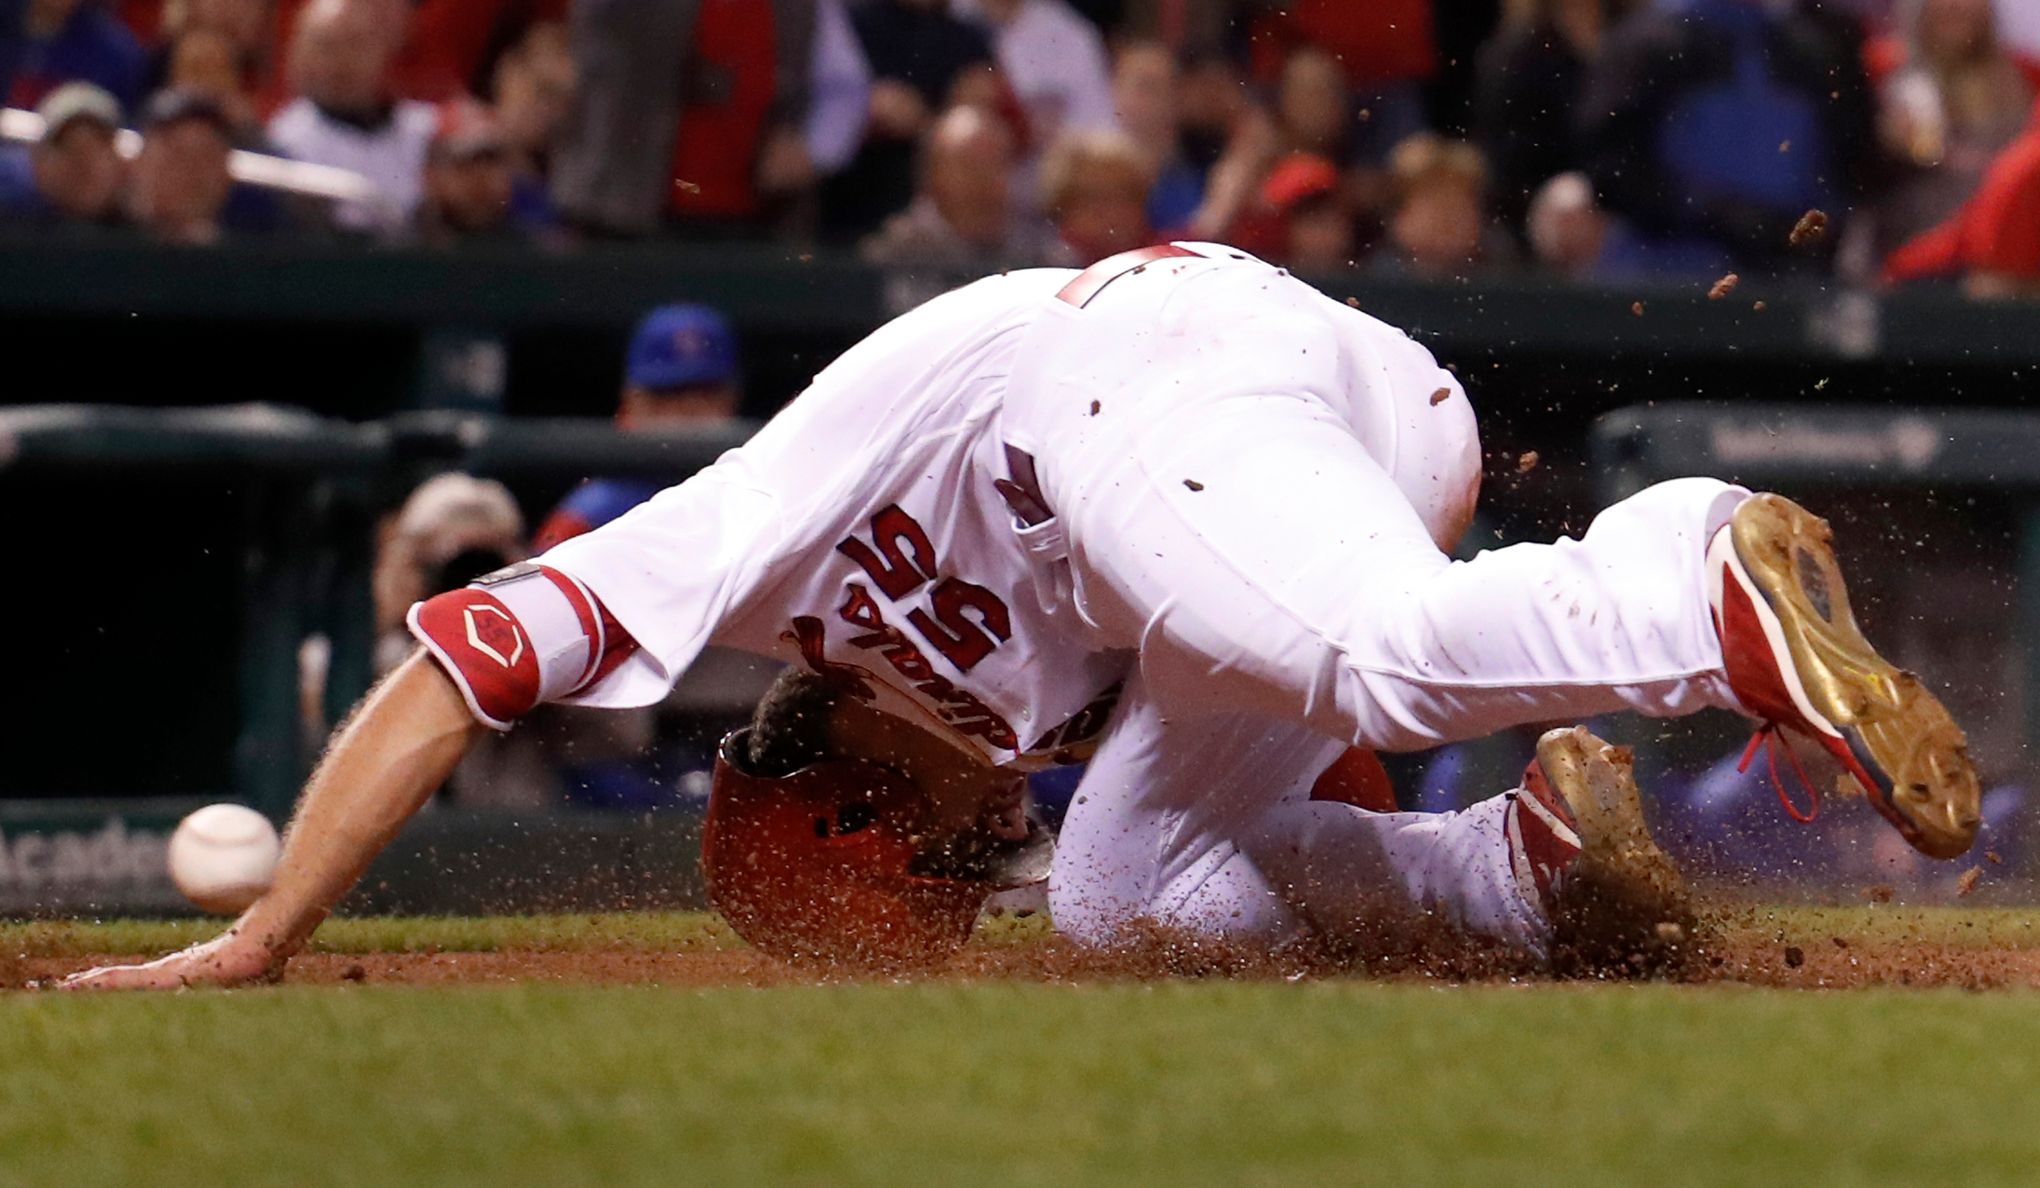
(1240, 578)
(223, 856)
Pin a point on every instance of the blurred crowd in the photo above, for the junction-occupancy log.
(1593, 139)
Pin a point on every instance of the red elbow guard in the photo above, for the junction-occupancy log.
(519, 637)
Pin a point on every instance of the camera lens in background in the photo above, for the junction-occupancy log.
(461, 568)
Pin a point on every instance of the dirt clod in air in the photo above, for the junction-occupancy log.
(1636, 307)
(687, 187)
(1723, 287)
(1810, 227)
(1759, 307)
(1193, 484)
(1440, 396)
(1095, 406)
(1996, 859)
(1967, 883)
(1879, 893)
(1526, 462)
(1353, 301)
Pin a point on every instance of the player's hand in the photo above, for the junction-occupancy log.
(229, 959)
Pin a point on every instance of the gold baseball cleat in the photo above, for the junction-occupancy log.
(1616, 901)
(1797, 661)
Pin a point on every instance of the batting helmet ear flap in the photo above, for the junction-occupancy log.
(819, 864)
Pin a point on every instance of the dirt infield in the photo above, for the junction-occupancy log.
(1792, 949)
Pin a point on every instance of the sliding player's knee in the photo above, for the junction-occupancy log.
(1226, 901)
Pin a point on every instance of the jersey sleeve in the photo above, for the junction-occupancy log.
(674, 572)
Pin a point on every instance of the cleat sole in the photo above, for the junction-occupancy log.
(1623, 907)
(1890, 727)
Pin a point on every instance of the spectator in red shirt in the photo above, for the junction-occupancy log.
(452, 43)
(1993, 242)
(688, 113)
(1958, 100)
(447, 47)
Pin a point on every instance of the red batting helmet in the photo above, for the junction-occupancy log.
(829, 863)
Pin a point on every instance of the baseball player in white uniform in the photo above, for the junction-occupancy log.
(1185, 518)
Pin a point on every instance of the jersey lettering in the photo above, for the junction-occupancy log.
(964, 622)
(895, 574)
(967, 623)
(953, 633)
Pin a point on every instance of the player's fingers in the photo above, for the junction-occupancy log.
(104, 977)
(123, 977)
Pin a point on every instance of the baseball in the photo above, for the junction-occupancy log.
(223, 856)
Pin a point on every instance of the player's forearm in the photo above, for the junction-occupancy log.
(403, 743)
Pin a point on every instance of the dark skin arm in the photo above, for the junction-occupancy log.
(398, 748)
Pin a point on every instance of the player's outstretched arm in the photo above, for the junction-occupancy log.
(398, 748)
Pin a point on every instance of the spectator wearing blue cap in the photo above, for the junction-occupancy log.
(681, 370)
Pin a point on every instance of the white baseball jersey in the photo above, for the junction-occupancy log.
(1179, 513)
(865, 531)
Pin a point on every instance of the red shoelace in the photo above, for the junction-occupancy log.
(1771, 737)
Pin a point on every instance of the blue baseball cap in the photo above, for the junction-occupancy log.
(682, 346)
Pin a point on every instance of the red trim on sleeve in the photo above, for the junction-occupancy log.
(612, 644)
(617, 646)
(584, 611)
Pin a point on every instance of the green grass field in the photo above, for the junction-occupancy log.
(990, 1083)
